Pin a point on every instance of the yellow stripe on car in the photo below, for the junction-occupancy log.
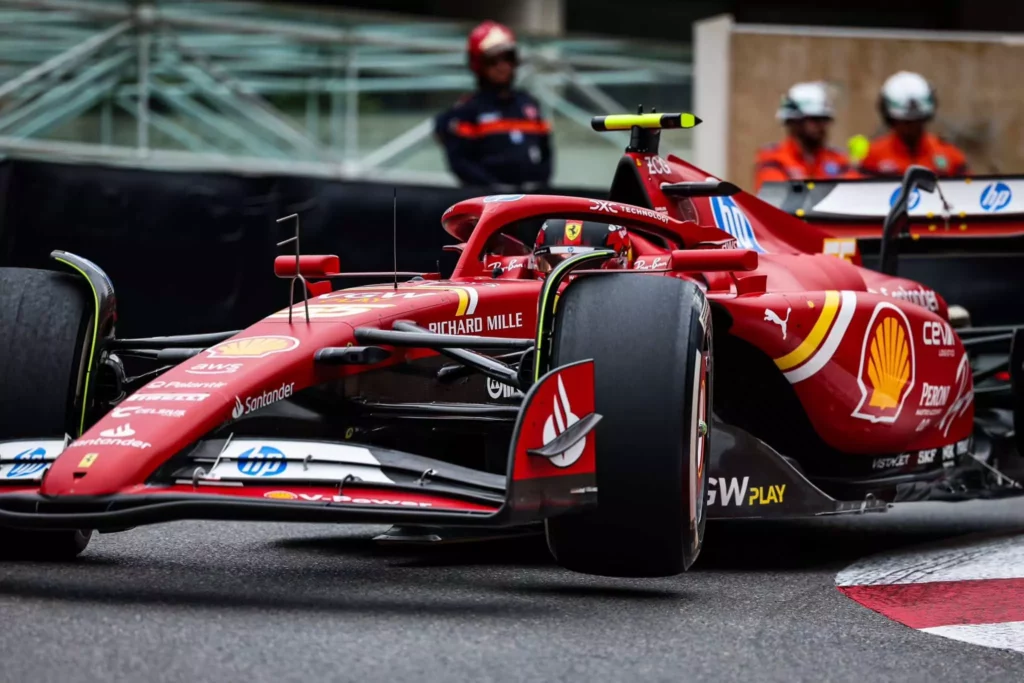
(468, 298)
(813, 340)
(463, 302)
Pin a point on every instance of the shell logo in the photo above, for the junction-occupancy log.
(280, 495)
(253, 347)
(887, 365)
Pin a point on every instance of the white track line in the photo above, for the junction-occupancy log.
(995, 558)
(967, 588)
(1008, 636)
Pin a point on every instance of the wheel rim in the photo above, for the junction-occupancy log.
(78, 392)
(701, 435)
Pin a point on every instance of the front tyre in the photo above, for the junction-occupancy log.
(46, 328)
(53, 546)
(651, 341)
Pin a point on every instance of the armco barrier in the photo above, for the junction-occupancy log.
(193, 252)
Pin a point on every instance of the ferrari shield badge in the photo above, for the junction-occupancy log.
(573, 230)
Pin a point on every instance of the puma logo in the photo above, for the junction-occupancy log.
(773, 317)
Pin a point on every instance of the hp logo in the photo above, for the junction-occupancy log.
(265, 461)
(730, 218)
(28, 463)
(995, 196)
(915, 198)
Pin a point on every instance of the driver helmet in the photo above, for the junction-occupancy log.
(560, 238)
(907, 96)
(488, 40)
(806, 100)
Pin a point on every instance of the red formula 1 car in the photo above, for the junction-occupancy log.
(733, 370)
(966, 238)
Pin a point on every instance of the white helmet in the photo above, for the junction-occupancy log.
(907, 96)
(805, 100)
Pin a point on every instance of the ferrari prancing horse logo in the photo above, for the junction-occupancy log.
(572, 230)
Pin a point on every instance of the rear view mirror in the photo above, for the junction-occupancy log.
(707, 188)
(897, 221)
(711, 260)
(925, 179)
(309, 265)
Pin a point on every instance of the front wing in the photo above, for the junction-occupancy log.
(249, 479)
(312, 481)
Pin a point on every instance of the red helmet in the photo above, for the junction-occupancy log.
(486, 40)
(559, 239)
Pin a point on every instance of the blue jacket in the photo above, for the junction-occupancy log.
(491, 140)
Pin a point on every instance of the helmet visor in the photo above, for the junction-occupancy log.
(549, 257)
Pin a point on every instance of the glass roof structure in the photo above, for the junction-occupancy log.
(260, 88)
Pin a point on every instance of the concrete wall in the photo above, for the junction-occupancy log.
(981, 103)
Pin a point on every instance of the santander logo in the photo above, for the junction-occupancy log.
(557, 423)
(262, 400)
(119, 432)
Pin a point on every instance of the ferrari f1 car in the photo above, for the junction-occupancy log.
(735, 370)
(966, 238)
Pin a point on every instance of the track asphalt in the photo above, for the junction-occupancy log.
(194, 601)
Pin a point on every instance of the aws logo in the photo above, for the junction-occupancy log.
(887, 365)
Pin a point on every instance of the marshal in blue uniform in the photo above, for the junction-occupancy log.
(496, 137)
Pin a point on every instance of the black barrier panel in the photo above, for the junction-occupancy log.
(982, 278)
(979, 273)
(193, 252)
(356, 222)
(5, 177)
(185, 251)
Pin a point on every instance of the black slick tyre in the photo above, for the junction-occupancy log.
(651, 341)
(46, 323)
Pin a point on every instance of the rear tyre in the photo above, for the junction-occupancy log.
(46, 324)
(653, 381)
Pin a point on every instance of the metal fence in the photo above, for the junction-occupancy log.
(257, 88)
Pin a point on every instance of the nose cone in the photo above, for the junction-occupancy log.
(125, 447)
